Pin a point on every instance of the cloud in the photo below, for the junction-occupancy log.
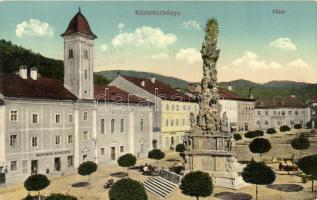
(34, 27)
(191, 24)
(299, 63)
(250, 60)
(104, 47)
(189, 55)
(283, 43)
(145, 36)
(121, 26)
(161, 55)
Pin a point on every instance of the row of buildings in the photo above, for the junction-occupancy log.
(48, 126)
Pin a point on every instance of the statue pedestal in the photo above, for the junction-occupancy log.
(213, 153)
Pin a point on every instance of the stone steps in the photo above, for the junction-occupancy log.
(159, 186)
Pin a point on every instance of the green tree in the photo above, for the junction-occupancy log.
(100, 80)
(297, 126)
(285, 128)
(237, 136)
(300, 143)
(127, 189)
(259, 174)
(260, 145)
(308, 165)
(60, 197)
(156, 154)
(86, 169)
(181, 148)
(197, 184)
(36, 182)
(127, 160)
(271, 131)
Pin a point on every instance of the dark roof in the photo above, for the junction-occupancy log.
(276, 102)
(227, 94)
(12, 85)
(160, 89)
(114, 94)
(79, 24)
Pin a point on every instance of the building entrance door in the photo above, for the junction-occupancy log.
(34, 166)
(246, 127)
(113, 153)
(57, 164)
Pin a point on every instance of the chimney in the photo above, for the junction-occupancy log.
(33, 73)
(23, 72)
(152, 79)
(142, 83)
(230, 87)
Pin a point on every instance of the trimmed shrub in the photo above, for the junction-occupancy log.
(156, 154)
(86, 169)
(285, 128)
(260, 145)
(237, 136)
(297, 126)
(127, 160)
(36, 182)
(271, 131)
(127, 189)
(60, 197)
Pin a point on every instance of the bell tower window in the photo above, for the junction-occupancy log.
(70, 53)
(86, 74)
(86, 54)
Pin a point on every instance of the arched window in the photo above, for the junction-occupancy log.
(141, 125)
(102, 126)
(121, 125)
(70, 53)
(112, 126)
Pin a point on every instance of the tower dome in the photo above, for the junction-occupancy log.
(79, 24)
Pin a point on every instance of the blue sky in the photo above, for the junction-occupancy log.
(255, 43)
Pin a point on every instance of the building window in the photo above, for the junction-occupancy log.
(289, 112)
(283, 112)
(172, 107)
(172, 122)
(70, 139)
(296, 112)
(303, 112)
(85, 158)
(13, 165)
(141, 148)
(291, 122)
(279, 123)
(85, 136)
(34, 141)
(112, 126)
(121, 149)
(176, 122)
(141, 125)
(121, 125)
(70, 161)
(167, 107)
(35, 118)
(86, 74)
(13, 116)
(301, 122)
(102, 151)
(86, 54)
(102, 126)
(70, 53)
(266, 112)
(259, 112)
(266, 122)
(70, 118)
(166, 122)
(13, 140)
(58, 118)
(85, 117)
(177, 107)
(57, 139)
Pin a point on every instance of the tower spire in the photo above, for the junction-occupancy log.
(79, 9)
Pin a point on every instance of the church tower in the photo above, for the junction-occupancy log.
(78, 57)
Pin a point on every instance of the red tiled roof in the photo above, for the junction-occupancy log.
(274, 102)
(79, 24)
(114, 94)
(160, 89)
(12, 85)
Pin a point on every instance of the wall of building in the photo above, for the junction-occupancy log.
(246, 116)
(276, 117)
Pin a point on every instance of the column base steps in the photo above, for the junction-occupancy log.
(159, 186)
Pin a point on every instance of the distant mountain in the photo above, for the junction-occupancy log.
(241, 87)
(172, 81)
